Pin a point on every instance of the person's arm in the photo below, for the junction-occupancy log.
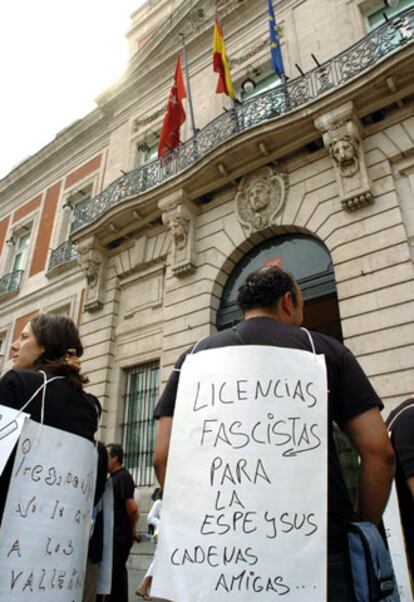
(368, 433)
(132, 512)
(410, 485)
(162, 443)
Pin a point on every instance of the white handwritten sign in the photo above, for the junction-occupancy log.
(11, 424)
(396, 544)
(46, 523)
(245, 501)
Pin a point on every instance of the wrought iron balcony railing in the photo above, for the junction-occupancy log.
(10, 283)
(64, 253)
(334, 73)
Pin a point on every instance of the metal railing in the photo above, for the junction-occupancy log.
(64, 253)
(10, 283)
(330, 75)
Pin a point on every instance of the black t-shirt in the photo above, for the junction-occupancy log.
(349, 394)
(124, 486)
(401, 421)
(66, 408)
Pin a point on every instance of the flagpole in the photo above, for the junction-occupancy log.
(187, 78)
(285, 90)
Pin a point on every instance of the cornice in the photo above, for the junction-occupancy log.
(38, 166)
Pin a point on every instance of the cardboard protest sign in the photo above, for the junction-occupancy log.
(11, 424)
(245, 502)
(396, 545)
(104, 582)
(47, 519)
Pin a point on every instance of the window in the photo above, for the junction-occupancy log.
(151, 154)
(21, 251)
(264, 85)
(147, 152)
(76, 204)
(376, 18)
(139, 429)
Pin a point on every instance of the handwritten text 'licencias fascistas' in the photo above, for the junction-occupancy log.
(210, 394)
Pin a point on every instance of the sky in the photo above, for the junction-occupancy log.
(56, 57)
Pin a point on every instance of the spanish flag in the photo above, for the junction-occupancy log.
(220, 64)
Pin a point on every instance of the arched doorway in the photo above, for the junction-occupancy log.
(310, 263)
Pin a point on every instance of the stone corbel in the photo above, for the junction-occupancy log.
(341, 134)
(92, 261)
(179, 216)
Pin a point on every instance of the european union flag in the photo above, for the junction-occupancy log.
(276, 54)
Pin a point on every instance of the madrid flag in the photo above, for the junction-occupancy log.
(175, 115)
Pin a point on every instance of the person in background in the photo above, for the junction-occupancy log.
(49, 343)
(153, 520)
(96, 541)
(125, 520)
(400, 423)
(272, 305)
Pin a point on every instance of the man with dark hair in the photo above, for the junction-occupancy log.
(125, 519)
(273, 311)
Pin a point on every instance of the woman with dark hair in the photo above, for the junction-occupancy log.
(49, 344)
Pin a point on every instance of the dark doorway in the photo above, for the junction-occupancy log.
(310, 263)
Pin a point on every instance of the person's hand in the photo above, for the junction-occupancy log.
(136, 536)
(72, 359)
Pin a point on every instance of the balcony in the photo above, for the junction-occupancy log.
(10, 283)
(62, 257)
(330, 76)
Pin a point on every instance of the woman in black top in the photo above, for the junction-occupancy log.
(50, 344)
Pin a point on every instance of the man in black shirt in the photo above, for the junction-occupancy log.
(125, 519)
(401, 424)
(272, 304)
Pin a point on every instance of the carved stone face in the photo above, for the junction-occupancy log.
(179, 232)
(343, 151)
(345, 155)
(90, 269)
(259, 196)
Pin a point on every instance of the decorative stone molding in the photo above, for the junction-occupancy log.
(250, 53)
(260, 197)
(140, 254)
(139, 122)
(179, 216)
(342, 137)
(92, 262)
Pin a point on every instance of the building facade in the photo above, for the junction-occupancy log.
(316, 174)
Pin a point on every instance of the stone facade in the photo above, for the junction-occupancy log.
(153, 265)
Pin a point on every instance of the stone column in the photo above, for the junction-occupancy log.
(341, 132)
